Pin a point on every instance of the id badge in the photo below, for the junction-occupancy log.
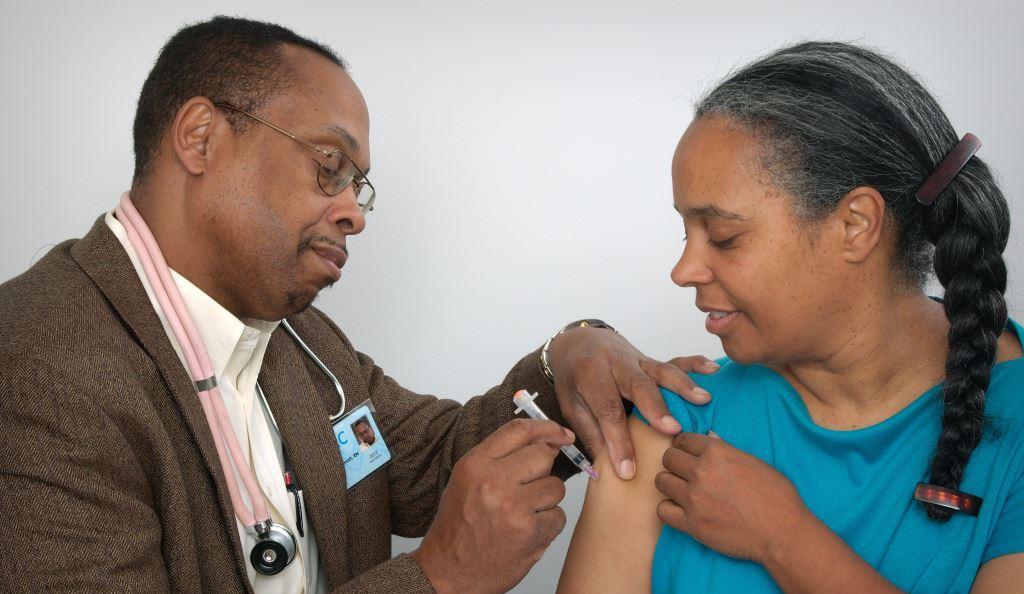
(360, 443)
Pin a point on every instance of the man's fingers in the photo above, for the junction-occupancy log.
(675, 378)
(585, 423)
(577, 413)
(529, 462)
(648, 398)
(550, 524)
(695, 364)
(618, 441)
(603, 396)
(519, 433)
(544, 493)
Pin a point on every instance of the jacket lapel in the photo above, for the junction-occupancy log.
(298, 404)
(103, 258)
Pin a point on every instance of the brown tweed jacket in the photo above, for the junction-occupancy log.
(109, 478)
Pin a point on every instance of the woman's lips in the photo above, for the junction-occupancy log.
(720, 321)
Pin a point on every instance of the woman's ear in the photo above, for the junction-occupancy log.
(862, 216)
(190, 133)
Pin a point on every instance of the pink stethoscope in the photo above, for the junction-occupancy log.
(275, 546)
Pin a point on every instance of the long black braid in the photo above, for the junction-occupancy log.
(969, 244)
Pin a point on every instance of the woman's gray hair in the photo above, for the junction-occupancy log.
(832, 117)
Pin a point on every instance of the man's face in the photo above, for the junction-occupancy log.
(364, 433)
(277, 238)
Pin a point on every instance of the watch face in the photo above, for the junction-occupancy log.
(592, 322)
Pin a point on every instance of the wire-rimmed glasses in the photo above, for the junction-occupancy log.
(337, 170)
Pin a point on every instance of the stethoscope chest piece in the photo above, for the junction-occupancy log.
(274, 549)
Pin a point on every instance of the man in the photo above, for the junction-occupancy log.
(364, 433)
(252, 151)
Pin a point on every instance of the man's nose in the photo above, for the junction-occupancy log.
(691, 269)
(346, 213)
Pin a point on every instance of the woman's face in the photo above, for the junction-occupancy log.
(769, 282)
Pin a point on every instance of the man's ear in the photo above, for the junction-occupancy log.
(190, 134)
(862, 216)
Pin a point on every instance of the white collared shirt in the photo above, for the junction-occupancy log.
(236, 350)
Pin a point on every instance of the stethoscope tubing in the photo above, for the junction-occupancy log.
(198, 363)
(337, 385)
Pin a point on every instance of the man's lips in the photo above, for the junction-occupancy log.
(333, 255)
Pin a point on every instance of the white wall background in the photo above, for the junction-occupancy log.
(521, 153)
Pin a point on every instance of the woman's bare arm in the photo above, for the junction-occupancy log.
(613, 544)
(1002, 574)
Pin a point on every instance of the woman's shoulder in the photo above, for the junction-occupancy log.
(1005, 395)
(1004, 399)
(733, 386)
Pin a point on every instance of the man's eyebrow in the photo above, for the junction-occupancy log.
(347, 139)
(708, 211)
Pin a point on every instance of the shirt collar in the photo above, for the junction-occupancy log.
(222, 333)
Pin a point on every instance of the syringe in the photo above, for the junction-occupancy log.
(524, 401)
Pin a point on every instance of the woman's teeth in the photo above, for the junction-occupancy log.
(719, 314)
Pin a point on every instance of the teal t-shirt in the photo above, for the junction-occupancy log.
(860, 483)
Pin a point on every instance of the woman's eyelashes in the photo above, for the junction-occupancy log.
(722, 244)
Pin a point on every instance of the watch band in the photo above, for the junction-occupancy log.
(545, 366)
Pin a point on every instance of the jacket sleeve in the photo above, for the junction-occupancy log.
(398, 574)
(76, 509)
(428, 435)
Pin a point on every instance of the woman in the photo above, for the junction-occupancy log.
(810, 233)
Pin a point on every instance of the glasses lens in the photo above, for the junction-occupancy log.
(336, 172)
(365, 196)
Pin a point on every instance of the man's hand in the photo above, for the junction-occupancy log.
(595, 368)
(499, 511)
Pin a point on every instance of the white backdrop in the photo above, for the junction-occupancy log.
(520, 150)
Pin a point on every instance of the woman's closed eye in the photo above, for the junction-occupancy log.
(722, 244)
(717, 243)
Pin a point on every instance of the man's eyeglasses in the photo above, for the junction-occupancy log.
(337, 170)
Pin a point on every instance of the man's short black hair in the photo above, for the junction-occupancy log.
(225, 59)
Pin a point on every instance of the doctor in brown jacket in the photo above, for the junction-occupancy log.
(110, 476)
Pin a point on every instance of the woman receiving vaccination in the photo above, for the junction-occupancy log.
(862, 436)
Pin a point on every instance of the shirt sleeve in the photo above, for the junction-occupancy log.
(1008, 534)
(694, 418)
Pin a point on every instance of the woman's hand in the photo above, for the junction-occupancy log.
(727, 499)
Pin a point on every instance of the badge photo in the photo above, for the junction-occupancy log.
(360, 443)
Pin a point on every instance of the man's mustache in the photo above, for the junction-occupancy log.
(308, 242)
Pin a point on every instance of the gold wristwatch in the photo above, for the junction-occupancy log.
(545, 366)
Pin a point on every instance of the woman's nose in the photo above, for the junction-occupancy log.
(691, 270)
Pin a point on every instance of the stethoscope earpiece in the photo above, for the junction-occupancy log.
(274, 550)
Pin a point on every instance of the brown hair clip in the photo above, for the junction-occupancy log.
(955, 500)
(947, 169)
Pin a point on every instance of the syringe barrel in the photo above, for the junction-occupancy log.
(574, 453)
